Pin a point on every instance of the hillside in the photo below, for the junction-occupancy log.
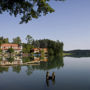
(78, 53)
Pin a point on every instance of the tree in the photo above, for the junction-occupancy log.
(50, 51)
(3, 40)
(36, 43)
(26, 48)
(29, 39)
(42, 53)
(0, 50)
(17, 40)
(28, 9)
(54, 47)
(10, 50)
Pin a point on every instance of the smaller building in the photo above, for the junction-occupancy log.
(38, 50)
(17, 48)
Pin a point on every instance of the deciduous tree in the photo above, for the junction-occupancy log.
(28, 9)
(17, 40)
(29, 39)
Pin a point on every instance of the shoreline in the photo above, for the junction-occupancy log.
(27, 63)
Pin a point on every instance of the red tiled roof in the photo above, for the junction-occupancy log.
(9, 45)
(4, 46)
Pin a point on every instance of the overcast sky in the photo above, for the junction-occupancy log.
(70, 23)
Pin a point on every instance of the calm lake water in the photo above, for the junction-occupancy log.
(71, 74)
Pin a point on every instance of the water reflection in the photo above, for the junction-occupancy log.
(48, 82)
(16, 69)
(50, 78)
(11, 60)
(73, 76)
(29, 70)
(53, 62)
(46, 63)
(4, 69)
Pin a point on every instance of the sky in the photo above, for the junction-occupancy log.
(70, 23)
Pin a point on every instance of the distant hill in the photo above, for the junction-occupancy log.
(78, 53)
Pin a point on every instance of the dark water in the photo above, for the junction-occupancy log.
(71, 74)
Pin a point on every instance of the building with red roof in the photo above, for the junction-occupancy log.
(38, 50)
(17, 48)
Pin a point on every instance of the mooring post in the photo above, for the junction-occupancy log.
(47, 75)
(53, 76)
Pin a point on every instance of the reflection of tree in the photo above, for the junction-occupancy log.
(29, 70)
(26, 59)
(4, 69)
(16, 69)
(53, 62)
(10, 59)
(0, 58)
(56, 62)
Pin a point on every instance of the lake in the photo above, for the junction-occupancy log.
(71, 74)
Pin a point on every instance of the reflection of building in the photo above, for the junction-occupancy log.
(18, 58)
(16, 61)
(17, 48)
(38, 50)
(36, 58)
(45, 59)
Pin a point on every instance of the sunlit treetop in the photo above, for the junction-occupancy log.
(27, 9)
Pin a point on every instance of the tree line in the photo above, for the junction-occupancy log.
(54, 47)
